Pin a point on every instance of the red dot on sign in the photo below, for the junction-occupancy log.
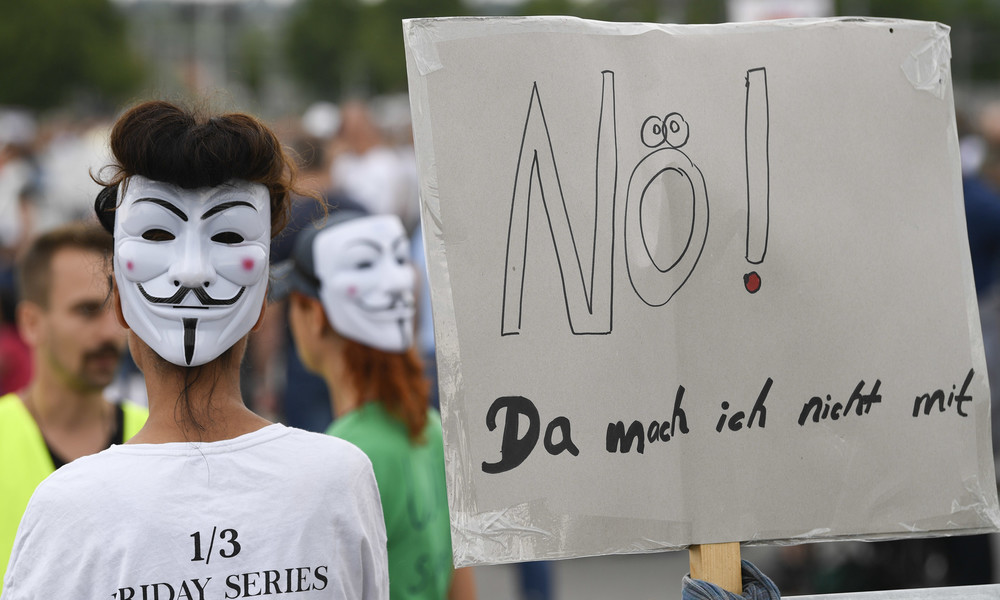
(248, 264)
(752, 282)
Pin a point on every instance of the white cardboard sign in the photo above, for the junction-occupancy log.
(697, 284)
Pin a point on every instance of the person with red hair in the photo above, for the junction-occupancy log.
(351, 314)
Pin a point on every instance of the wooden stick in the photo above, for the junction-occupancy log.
(718, 564)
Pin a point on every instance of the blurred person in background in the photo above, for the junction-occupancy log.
(281, 385)
(62, 414)
(368, 169)
(19, 182)
(71, 151)
(281, 388)
(982, 212)
(351, 288)
(20, 178)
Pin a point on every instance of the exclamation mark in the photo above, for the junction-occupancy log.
(758, 173)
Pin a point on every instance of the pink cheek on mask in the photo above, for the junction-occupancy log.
(352, 291)
(129, 265)
(248, 264)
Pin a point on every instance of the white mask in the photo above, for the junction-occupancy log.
(192, 265)
(366, 281)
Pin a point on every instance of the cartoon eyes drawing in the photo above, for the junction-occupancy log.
(671, 130)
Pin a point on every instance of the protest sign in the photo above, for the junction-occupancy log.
(698, 284)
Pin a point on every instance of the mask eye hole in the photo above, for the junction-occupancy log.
(157, 235)
(227, 237)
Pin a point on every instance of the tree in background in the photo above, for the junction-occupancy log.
(975, 26)
(640, 11)
(344, 47)
(55, 51)
(340, 47)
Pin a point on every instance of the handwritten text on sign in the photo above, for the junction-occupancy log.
(516, 445)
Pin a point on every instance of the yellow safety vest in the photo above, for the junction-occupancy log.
(25, 461)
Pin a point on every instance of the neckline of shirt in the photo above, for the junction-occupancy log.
(260, 436)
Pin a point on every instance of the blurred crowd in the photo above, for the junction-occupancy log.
(356, 153)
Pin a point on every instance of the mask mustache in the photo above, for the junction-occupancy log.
(399, 300)
(396, 300)
(199, 293)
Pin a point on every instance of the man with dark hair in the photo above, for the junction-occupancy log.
(65, 316)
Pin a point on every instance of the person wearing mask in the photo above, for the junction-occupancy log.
(351, 310)
(208, 499)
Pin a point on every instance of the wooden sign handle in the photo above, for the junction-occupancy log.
(718, 564)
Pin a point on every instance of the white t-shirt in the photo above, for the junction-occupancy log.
(276, 511)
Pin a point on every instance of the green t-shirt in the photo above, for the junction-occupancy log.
(414, 499)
